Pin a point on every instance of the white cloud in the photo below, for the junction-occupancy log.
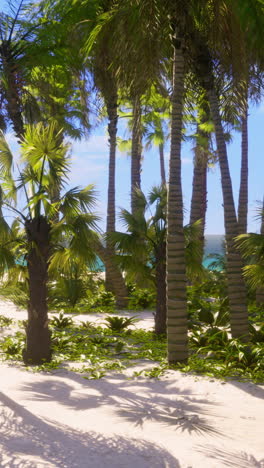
(95, 147)
(186, 160)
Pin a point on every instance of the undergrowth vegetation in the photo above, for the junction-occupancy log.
(94, 350)
(114, 344)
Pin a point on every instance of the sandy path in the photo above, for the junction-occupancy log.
(62, 420)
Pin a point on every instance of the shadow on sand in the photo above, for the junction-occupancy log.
(231, 458)
(180, 410)
(26, 441)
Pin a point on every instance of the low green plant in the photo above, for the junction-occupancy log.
(12, 346)
(257, 333)
(104, 298)
(61, 321)
(219, 318)
(119, 324)
(212, 337)
(5, 321)
(142, 299)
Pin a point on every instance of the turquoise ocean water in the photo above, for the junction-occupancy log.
(213, 245)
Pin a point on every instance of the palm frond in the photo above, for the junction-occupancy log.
(6, 158)
(78, 200)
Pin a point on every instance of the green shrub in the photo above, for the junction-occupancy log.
(12, 346)
(142, 299)
(119, 324)
(61, 321)
(5, 321)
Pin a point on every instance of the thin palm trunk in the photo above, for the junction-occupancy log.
(162, 164)
(243, 190)
(236, 284)
(38, 335)
(136, 150)
(260, 291)
(161, 306)
(199, 188)
(177, 327)
(111, 105)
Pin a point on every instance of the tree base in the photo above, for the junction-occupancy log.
(38, 345)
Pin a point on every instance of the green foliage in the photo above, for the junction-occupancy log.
(15, 292)
(119, 324)
(213, 352)
(257, 333)
(252, 247)
(142, 247)
(212, 337)
(104, 299)
(12, 346)
(61, 321)
(5, 321)
(142, 299)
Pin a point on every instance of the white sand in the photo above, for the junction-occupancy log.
(61, 420)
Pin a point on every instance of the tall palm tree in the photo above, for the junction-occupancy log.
(42, 241)
(142, 248)
(203, 155)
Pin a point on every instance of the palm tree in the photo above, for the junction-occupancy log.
(203, 156)
(142, 248)
(43, 243)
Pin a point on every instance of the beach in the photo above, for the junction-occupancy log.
(59, 419)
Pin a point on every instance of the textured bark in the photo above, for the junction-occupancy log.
(116, 282)
(38, 336)
(14, 107)
(111, 104)
(243, 190)
(260, 291)
(236, 285)
(199, 188)
(177, 328)
(162, 164)
(161, 305)
(136, 150)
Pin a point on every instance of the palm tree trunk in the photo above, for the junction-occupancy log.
(161, 305)
(117, 284)
(162, 164)
(136, 150)
(199, 188)
(14, 107)
(243, 190)
(260, 291)
(111, 104)
(177, 327)
(38, 335)
(236, 285)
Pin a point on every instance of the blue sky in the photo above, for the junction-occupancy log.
(90, 166)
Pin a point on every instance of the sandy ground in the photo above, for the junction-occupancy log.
(61, 420)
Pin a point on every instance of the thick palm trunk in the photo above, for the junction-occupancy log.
(161, 305)
(236, 285)
(162, 164)
(199, 189)
(38, 336)
(136, 150)
(243, 190)
(177, 328)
